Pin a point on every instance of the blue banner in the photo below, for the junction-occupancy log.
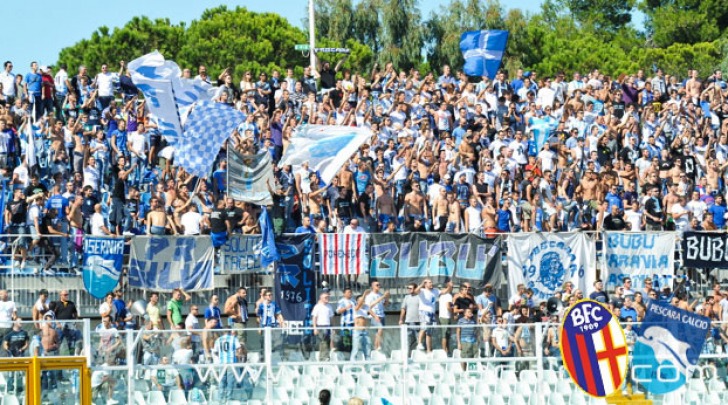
(241, 254)
(669, 342)
(269, 251)
(103, 259)
(295, 279)
(163, 263)
(410, 257)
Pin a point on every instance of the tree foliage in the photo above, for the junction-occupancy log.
(221, 38)
(563, 35)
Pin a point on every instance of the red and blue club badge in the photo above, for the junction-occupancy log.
(594, 348)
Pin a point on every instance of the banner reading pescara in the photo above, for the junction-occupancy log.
(544, 262)
(163, 263)
(409, 257)
(638, 256)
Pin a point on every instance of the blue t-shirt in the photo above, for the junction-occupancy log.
(34, 81)
(120, 140)
(718, 212)
(214, 313)
(538, 222)
(504, 220)
(362, 180)
(60, 203)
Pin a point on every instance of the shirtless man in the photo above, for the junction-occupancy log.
(385, 208)
(670, 198)
(489, 213)
(454, 214)
(57, 138)
(156, 218)
(589, 186)
(714, 172)
(440, 211)
(346, 178)
(416, 203)
(674, 173)
(315, 198)
(49, 338)
(692, 86)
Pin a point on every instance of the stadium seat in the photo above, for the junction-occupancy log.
(530, 377)
(716, 385)
(697, 384)
(139, 398)
(259, 393)
(363, 392)
(397, 355)
(422, 391)
(713, 398)
(381, 390)
(692, 397)
(196, 397)
(342, 391)
(10, 399)
(416, 401)
(517, 399)
(556, 399)
(177, 397)
(496, 400)
(550, 377)
(578, 398)
(378, 356)
(457, 400)
(156, 397)
(438, 400)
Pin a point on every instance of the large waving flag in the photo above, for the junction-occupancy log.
(249, 176)
(327, 148)
(541, 129)
(483, 51)
(168, 96)
(208, 126)
(268, 250)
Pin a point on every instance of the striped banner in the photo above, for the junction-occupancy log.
(343, 253)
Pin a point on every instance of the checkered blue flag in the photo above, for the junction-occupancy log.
(207, 127)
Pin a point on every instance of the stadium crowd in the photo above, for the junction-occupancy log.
(83, 156)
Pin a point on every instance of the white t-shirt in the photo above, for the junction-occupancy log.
(547, 160)
(444, 302)
(377, 309)
(7, 309)
(111, 309)
(105, 84)
(349, 230)
(60, 81)
(23, 176)
(182, 356)
(97, 222)
(323, 314)
(501, 336)
(634, 218)
(682, 222)
(191, 222)
(91, 177)
(428, 299)
(697, 208)
(138, 143)
(8, 81)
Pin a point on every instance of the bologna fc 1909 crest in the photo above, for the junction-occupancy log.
(594, 348)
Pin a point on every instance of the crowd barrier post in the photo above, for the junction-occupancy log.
(403, 346)
(130, 366)
(268, 349)
(87, 340)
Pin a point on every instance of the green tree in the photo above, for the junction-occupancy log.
(334, 20)
(402, 37)
(367, 26)
(603, 16)
(137, 37)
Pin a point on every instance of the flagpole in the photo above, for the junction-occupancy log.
(227, 168)
(311, 35)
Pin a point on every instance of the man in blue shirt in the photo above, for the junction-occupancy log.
(270, 316)
(33, 82)
(504, 216)
(61, 204)
(305, 226)
(213, 311)
(718, 210)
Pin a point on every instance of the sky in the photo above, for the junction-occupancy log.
(54, 27)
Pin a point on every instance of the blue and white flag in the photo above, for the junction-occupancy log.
(208, 126)
(103, 259)
(163, 263)
(326, 147)
(168, 96)
(268, 250)
(544, 261)
(541, 130)
(249, 177)
(483, 51)
(669, 342)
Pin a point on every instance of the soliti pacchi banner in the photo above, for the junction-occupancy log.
(163, 263)
(705, 250)
(638, 256)
(295, 280)
(668, 344)
(409, 257)
(103, 259)
(545, 261)
(241, 254)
